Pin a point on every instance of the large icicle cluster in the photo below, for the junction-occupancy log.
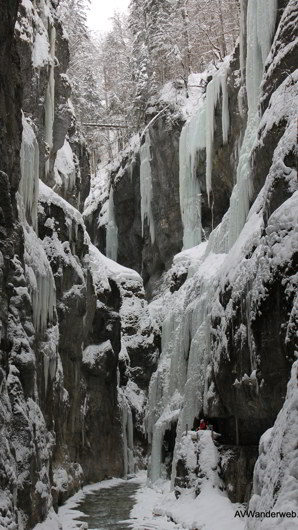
(28, 187)
(65, 169)
(146, 186)
(192, 140)
(260, 27)
(41, 281)
(112, 230)
(50, 100)
(197, 136)
(177, 387)
(242, 251)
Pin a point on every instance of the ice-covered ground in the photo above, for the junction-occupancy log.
(156, 508)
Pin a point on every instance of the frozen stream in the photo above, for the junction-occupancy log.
(115, 504)
(109, 509)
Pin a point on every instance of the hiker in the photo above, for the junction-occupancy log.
(203, 425)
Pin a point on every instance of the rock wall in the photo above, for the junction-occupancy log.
(44, 58)
(267, 315)
(157, 257)
(83, 404)
(228, 339)
(61, 405)
(127, 201)
(135, 247)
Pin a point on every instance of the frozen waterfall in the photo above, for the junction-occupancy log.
(28, 187)
(146, 186)
(112, 230)
(192, 140)
(65, 169)
(127, 431)
(198, 133)
(196, 139)
(41, 281)
(50, 100)
(179, 389)
(184, 359)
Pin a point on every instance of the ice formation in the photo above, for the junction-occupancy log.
(28, 187)
(197, 136)
(41, 281)
(217, 86)
(127, 432)
(50, 99)
(65, 170)
(112, 230)
(192, 140)
(185, 350)
(260, 28)
(179, 387)
(49, 349)
(261, 18)
(146, 186)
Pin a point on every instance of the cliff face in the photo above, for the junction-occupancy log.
(44, 58)
(149, 173)
(228, 342)
(135, 247)
(166, 218)
(63, 413)
(264, 299)
(79, 343)
(81, 401)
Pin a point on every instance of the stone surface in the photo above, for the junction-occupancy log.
(164, 137)
(127, 203)
(237, 465)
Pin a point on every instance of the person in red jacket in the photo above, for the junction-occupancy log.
(203, 425)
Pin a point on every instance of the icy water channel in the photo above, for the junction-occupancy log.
(109, 508)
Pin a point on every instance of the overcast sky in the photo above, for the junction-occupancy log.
(102, 10)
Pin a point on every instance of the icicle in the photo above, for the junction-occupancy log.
(64, 168)
(196, 135)
(127, 432)
(50, 99)
(261, 18)
(112, 230)
(29, 184)
(185, 358)
(130, 441)
(146, 186)
(124, 433)
(217, 86)
(242, 40)
(42, 284)
(192, 140)
(49, 350)
(156, 451)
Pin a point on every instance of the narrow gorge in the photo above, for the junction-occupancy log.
(155, 288)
